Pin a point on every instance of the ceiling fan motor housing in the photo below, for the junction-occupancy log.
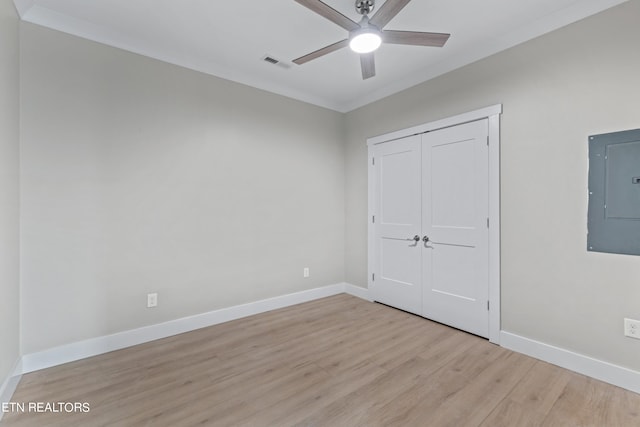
(364, 7)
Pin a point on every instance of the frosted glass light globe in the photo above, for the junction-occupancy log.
(365, 42)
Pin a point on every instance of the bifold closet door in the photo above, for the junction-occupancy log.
(455, 220)
(397, 176)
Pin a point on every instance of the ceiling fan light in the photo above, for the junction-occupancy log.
(365, 42)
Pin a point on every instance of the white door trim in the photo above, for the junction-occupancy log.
(493, 114)
(482, 113)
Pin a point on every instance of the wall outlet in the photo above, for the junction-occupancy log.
(152, 300)
(305, 272)
(632, 328)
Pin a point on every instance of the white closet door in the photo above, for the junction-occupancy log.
(397, 174)
(454, 218)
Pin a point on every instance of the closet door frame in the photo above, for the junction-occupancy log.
(492, 113)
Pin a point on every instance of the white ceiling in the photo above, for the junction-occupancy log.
(229, 39)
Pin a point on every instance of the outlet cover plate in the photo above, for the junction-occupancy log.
(632, 328)
(152, 300)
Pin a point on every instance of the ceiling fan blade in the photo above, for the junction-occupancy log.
(368, 64)
(386, 13)
(321, 52)
(415, 38)
(330, 13)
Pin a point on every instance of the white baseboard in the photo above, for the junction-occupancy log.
(598, 369)
(357, 291)
(8, 387)
(95, 346)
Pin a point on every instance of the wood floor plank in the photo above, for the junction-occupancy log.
(394, 333)
(532, 398)
(230, 404)
(353, 409)
(416, 404)
(472, 404)
(296, 408)
(338, 361)
(586, 402)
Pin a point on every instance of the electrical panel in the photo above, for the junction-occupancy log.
(614, 193)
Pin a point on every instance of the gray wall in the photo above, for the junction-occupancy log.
(9, 162)
(555, 90)
(139, 176)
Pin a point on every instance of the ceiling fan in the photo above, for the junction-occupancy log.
(367, 35)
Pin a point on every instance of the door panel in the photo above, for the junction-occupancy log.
(455, 211)
(455, 271)
(397, 204)
(395, 207)
(396, 268)
(453, 174)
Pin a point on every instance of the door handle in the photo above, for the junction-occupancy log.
(416, 238)
(425, 239)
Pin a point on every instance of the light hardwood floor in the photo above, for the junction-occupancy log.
(338, 361)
